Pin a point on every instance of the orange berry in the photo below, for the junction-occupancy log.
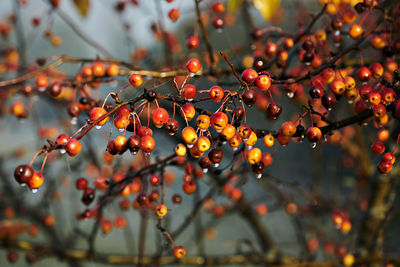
(254, 156)
(189, 136)
(193, 65)
(161, 210)
(147, 144)
(179, 252)
(112, 70)
(188, 111)
(135, 80)
(98, 69)
(35, 181)
(355, 31)
(96, 113)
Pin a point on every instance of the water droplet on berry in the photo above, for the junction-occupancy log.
(258, 176)
(191, 74)
(325, 138)
(98, 127)
(147, 154)
(350, 102)
(216, 165)
(74, 120)
(190, 99)
(23, 185)
(134, 153)
(62, 151)
(121, 130)
(235, 148)
(290, 94)
(313, 145)
(249, 147)
(190, 146)
(205, 170)
(34, 191)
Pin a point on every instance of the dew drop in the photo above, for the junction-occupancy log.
(203, 130)
(205, 170)
(219, 131)
(325, 139)
(190, 146)
(258, 176)
(329, 109)
(313, 145)
(235, 148)
(121, 130)
(134, 153)
(190, 99)
(171, 134)
(350, 102)
(365, 123)
(98, 127)
(284, 145)
(191, 74)
(23, 185)
(74, 120)
(216, 165)
(249, 147)
(62, 151)
(337, 44)
(290, 94)
(34, 191)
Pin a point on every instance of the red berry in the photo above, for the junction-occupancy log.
(81, 183)
(193, 42)
(216, 93)
(218, 22)
(189, 92)
(23, 173)
(249, 75)
(263, 82)
(364, 74)
(174, 14)
(218, 7)
(189, 187)
(378, 148)
(135, 80)
(179, 252)
(160, 117)
(193, 65)
(155, 180)
(73, 147)
(313, 134)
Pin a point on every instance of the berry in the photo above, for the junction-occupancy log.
(218, 22)
(249, 76)
(267, 159)
(161, 210)
(313, 134)
(374, 97)
(81, 183)
(216, 93)
(218, 7)
(316, 92)
(364, 74)
(271, 49)
(88, 196)
(120, 144)
(42, 81)
(193, 65)
(215, 155)
(254, 156)
(189, 136)
(180, 150)
(348, 260)
(193, 42)
(99, 69)
(263, 82)
(96, 113)
(112, 70)
(189, 187)
(179, 252)
(176, 199)
(35, 181)
(228, 132)
(274, 110)
(135, 80)
(172, 126)
(219, 120)
(188, 111)
(174, 14)
(269, 140)
(376, 69)
(23, 173)
(338, 87)
(160, 117)
(55, 89)
(329, 100)
(203, 122)
(249, 97)
(288, 128)
(189, 92)
(203, 143)
(147, 144)
(355, 31)
(73, 147)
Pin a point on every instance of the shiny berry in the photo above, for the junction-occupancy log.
(219, 120)
(378, 148)
(355, 31)
(193, 65)
(189, 92)
(193, 42)
(23, 173)
(160, 117)
(135, 80)
(96, 113)
(249, 97)
(161, 210)
(274, 110)
(313, 134)
(249, 75)
(174, 14)
(364, 74)
(147, 144)
(216, 93)
(179, 252)
(263, 82)
(218, 22)
(73, 147)
(172, 126)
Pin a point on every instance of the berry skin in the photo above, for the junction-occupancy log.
(269, 140)
(313, 134)
(274, 110)
(288, 128)
(203, 144)
(73, 147)
(379, 111)
(121, 122)
(55, 89)
(42, 81)
(203, 122)
(172, 126)
(216, 93)
(96, 113)
(112, 70)
(385, 166)
(174, 14)
(329, 100)
(365, 90)
(218, 22)
(160, 117)
(267, 159)
(355, 31)
(215, 155)
(338, 87)
(88, 196)
(98, 69)
(106, 226)
(120, 144)
(189, 135)
(188, 111)
(23, 173)
(254, 156)
(180, 150)
(193, 65)
(388, 95)
(249, 76)
(193, 42)
(376, 69)
(219, 120)
(155, 180)
(374, 98)
(161, 210)
(271, 49)
(17, 109)
(35, 181)
(316, 92)
(249, 97)
(245, 132)
(364, 74)
(189, 92)
(135, 80)
(348, 260)
(263, 82)
(189, 187)
(147, 144)
(218, 7)
(228, 132)
(179, 252)
(81, 183)
(349, 83)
